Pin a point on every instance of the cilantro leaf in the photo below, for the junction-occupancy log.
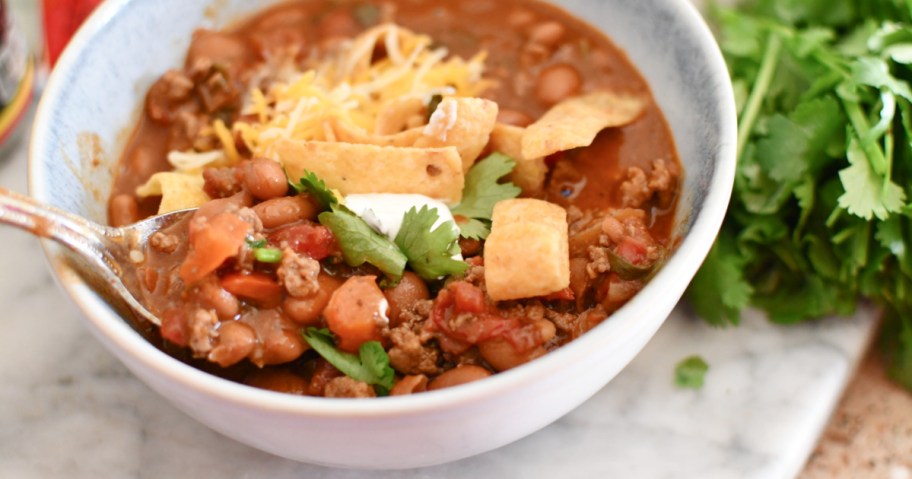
(310, 183)
(253, 244)
(472, 228)
(866, 193)
(371, 365)
(358, 241)
(429, 250)
(361, 244)
(690, 372)
(482, 188)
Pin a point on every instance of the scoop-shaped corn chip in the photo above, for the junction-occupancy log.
(178, 191)
(465, 123)
(400, 114)
(527, 252)
(575, 122)
(357, 168)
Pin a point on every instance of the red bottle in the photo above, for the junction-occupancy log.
(17, 75)
(61, 20)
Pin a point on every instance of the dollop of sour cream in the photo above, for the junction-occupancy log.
(384, 211)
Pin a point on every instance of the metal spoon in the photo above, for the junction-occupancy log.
(112, 253)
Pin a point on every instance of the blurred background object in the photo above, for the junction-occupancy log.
(61, 19)
(17, 75)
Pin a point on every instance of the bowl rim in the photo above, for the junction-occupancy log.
(115, 330)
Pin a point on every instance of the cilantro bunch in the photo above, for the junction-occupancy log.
(821, 213)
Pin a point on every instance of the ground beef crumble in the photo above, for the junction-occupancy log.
(298, 274)
(163, 242)
(346, 387)
(640, 188)
(203, 332)
(414, 350)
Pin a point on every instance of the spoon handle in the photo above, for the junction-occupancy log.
(76, 233)
(101, 248)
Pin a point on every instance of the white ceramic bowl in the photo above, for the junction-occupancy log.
(97, 89)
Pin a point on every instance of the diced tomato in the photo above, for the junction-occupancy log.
(467, 297)
(480, 322)
(633, 251)
(565, 294)
(314, 240)
(174, 327)
(354, 312)
(255, 286)
(482, 325)
(212, 241)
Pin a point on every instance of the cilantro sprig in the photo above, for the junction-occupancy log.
(482, 191)
(316, 187)
(821, 212)
(358, 241)
(371, 365)
(429, 250)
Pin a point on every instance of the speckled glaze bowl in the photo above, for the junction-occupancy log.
(94, 97)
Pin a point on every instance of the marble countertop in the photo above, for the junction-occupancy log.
(68, 408)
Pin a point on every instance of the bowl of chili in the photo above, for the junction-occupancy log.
(682, 134)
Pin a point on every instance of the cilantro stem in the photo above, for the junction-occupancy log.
(861, 126)
(759, 91)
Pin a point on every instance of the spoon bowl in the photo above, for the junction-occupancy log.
(111, 254)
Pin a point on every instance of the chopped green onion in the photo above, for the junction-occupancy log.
(267, 255)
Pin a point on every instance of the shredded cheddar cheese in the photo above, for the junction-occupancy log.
(341, 96)
(349, 88)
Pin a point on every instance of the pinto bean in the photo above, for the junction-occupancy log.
(307, 311)
(286, 209)
(520, 17)
(458, 375)
(211, 295)
(278, 338)
(123, 210)
(338, 23)
(556, 83)
(410, 385)
(282, 347)
(410, 290)
(264, 178)
(501, 355)
(547, 33)
(235, 341)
